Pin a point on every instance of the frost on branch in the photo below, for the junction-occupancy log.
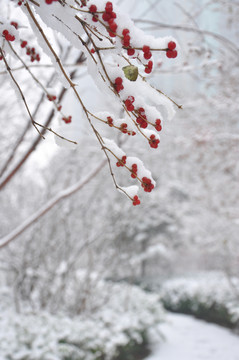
(119, 57)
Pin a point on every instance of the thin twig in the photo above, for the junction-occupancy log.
(20, 91)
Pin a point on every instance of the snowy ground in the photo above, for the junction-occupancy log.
(187, 338)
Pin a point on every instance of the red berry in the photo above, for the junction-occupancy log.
(113, 26)
(118, 88)
(171, 54)
(123, 128)
(109, 7)
(171, 45)
(141, 110)
(125, 32)
(95, 18)
(147, 55)
(51, 97)
(110, 121)
(92, 8)
(146, 49)
(67, 120)
(106, 16)
(118, 81)
(15, 24)
(130, 52)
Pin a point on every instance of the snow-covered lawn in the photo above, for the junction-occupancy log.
(187, 338)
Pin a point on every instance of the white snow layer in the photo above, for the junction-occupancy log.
(189, 339)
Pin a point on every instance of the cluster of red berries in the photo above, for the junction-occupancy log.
(126, 42)
(23, 44)
(118, 84)
(171, 52)
(124, 130)
(149, 67)
(129, 103)
(123, 127)
(67, 119)
(153, 141)
(49, 2)
(93, 9)
(126, 38)
(8, 36)
(20, 3)
(142, 118)
(121, 162)
(109, 16)
(51, 97)
(147, 184)
(158, 125)
(136, 200)
(30, 52)
(134, 171)
(147, 52)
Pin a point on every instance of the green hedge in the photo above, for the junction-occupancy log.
(215, 313)
(210, 297)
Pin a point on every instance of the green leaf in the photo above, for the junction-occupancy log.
(131, 72)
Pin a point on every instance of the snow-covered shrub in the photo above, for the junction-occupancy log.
(122, 321)
(213, 297)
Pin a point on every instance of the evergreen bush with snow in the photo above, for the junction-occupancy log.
(212, 297)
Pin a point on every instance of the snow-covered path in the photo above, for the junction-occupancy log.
(187, 338)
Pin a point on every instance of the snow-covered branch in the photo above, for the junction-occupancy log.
(119, 56)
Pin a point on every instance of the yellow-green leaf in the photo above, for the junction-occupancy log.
(131, 72)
